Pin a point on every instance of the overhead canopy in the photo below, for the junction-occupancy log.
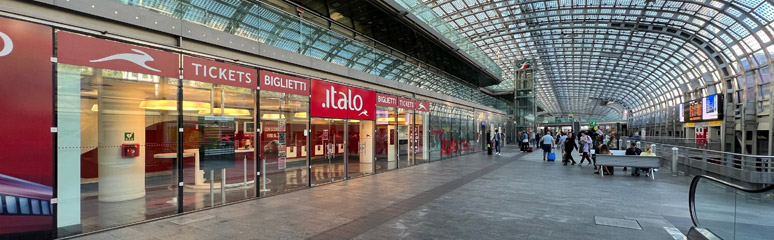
(592, 55)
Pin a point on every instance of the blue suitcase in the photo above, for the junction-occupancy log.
(551, 157)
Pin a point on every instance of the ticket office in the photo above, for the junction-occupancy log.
(129, 132)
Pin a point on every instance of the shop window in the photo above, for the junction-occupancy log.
(404, 124)
(218, 144)
(283, 144)
(421, 126)
(386, 139)
(122, 126)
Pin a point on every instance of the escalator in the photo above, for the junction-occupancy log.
(723, 210)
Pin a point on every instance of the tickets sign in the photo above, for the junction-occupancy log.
(339, 101)
(219, 73)
(276, 82)
(408, 104)
(99, 53)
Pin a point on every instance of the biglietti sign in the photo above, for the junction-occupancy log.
(339, 101)
(271, 81)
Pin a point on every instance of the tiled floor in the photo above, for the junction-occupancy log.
(513, 196)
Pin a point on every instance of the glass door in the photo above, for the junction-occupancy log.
(360, 148)
(405, 119)
(328, 157)
(385, 139)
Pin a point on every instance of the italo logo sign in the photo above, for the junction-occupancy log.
(339, 101)
(81, 50)
(139, 58)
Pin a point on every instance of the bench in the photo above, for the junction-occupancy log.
(628, 161)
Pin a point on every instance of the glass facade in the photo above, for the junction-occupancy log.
(181, 133)
(287, 115)
(123, 128)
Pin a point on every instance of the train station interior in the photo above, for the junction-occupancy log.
(386, 119)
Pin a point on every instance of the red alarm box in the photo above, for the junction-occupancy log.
(130, 150)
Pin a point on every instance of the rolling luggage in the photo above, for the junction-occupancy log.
(529, 149)
(551, 157)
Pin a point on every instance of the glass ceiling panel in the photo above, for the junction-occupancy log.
(635, 50)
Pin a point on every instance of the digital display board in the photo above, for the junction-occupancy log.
(694, 110)
(711, 107)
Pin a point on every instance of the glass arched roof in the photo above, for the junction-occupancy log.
(639, 55)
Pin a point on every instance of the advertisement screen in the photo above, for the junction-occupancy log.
(711, 105)
(26, 166)
(694, 110)
(681, 111)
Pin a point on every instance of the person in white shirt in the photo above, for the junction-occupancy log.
(547, 143)
(585, 142)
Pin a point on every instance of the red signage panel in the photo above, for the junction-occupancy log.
(408, 104)
(26, 140)
(422, 106)
(328, 100)
(99, 53)
(386, 100)
(276, 82)
(362, 104)
(339, 101)
(198, 69)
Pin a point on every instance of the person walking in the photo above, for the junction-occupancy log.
(524, 141)
(562, 138)
(569, 146)
(548, 143)
(497, 139)
(532, 139)
(585, 142)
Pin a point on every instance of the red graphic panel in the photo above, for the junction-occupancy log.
(386, 100)
(219, 73)
(362, 104)
(408, 104)
(422, 106)
(26, 141)
(94, 52)
(328, 100)
(275, 82)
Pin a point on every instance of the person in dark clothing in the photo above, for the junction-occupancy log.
(569, 145)
(633, 150)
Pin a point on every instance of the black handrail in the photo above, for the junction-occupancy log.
(695, 182)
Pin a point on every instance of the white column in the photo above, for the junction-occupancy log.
(121, 179)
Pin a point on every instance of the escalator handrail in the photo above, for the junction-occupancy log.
(695, 182)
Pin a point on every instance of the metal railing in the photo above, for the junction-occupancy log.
(730, 211)
(686, 142)
(752, 170)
